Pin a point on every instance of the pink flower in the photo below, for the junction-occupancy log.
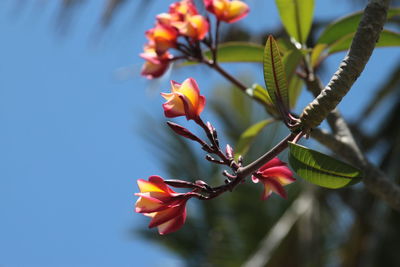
(185, 18)
(195, 27)
(184, 100)
(274, 175)
(156, 65)
(183, 8)
(162, 37)
(166, 208)
(227, 10)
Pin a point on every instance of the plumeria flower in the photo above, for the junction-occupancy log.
(165, 207)
(183, 8)
(185, 18)
(184, 100)
(162, 37)
(227, 10)
(274, 175)
(155, 65)
(195, 27)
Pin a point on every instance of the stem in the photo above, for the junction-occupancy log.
(215, 147)
(243, 172)
(217, 67)
(255, 165)
(215, 44)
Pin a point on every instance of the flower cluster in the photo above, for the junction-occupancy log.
(167, 208)
(184, 20)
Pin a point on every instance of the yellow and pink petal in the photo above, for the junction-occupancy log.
(167, 214)
(154, 184)
(197, 27)
(236, 11)
(183, 8)
(145, 205)
(270, 186)
(174, 106)
(185, 100)
(172, 225)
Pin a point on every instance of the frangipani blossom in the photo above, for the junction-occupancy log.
(227, 10)
(274, 175)
(155, 65)
(185, 18)
(183, 8)
(195, 27)
(162, 37)
(184, 100)
(165, 207)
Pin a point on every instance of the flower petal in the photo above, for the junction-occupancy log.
(236, 11)
(190, 89)
(145, 205)
(267, 191)
(147, 186)
(272, 163)
(153, 70)
(279, 171)
(277, 188)
(254, 179)
(167, 214)
(174, 107)
(172, 225)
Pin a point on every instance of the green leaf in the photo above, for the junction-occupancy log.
(291, 60)
(248, 136)
(296, 16)
(274, 74)
(320, 169)
(346, 25)
(235, 52)
(386, 39)
(238, 52)
(260, 93)
(316, 54)
(295, 86)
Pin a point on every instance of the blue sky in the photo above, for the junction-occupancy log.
(70, 150)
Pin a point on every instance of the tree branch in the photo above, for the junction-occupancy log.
(351, 67)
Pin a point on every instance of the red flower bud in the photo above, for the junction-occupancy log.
(180, 130)
(229, 151)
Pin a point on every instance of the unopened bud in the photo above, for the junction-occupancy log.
(229, 151)
(210, 127)
(209, 158)
(182, 131)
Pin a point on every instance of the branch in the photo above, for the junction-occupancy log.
(323, 106)
(351, 67)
